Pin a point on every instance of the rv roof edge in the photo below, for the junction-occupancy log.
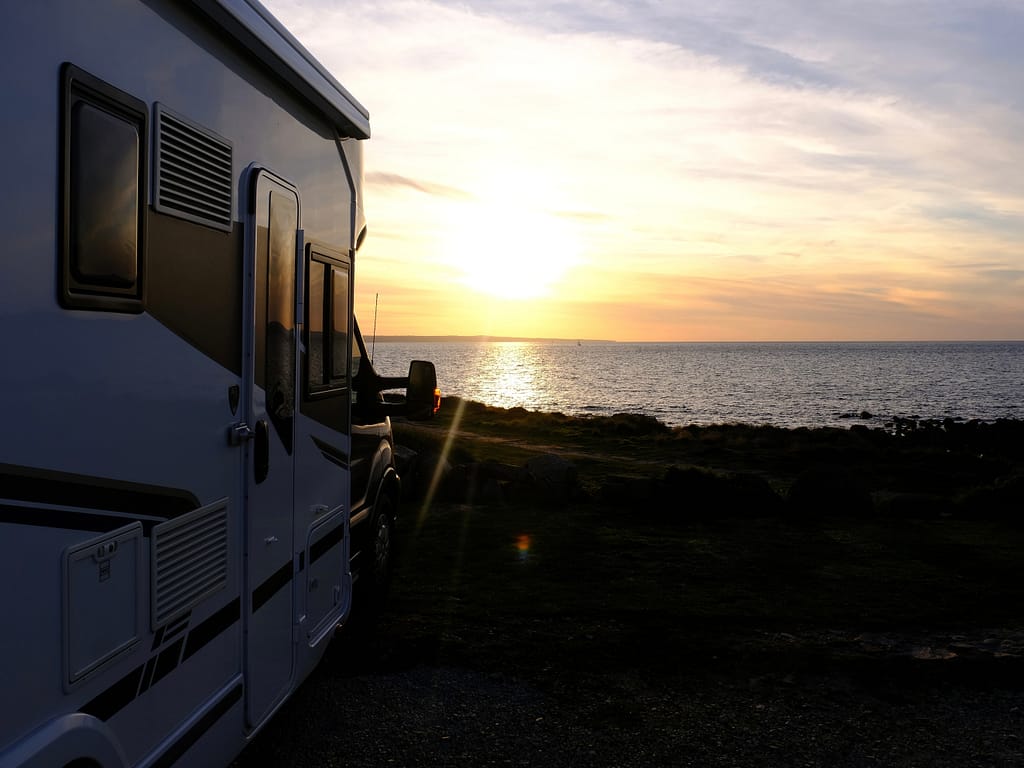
(254, 26)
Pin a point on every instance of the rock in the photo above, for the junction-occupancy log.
(633, 424)
(485, 482)
(553, 477)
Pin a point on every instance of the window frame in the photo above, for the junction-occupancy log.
(329, 386)
(79, 87)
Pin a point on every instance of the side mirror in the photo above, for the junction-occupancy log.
(422, 397)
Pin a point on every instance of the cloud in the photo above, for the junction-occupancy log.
(973, 216)
(784, 144)
(430, 188)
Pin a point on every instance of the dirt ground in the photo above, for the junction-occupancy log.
(654, 630)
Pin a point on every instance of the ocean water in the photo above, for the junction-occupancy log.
(786, 384)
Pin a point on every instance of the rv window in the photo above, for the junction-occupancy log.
(328, 307)
(280, 314)
(103, 196)
(317, 358)
(339, 324)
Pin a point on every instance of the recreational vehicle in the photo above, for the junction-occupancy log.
(194, 458)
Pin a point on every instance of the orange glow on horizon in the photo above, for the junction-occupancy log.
(597, 181)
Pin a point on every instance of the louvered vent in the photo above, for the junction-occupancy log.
(190, 561)
(193, 171)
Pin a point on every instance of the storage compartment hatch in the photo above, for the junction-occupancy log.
(101, 605)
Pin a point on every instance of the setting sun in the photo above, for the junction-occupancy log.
(502, 246)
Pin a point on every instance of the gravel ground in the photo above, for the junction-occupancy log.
(448, 716)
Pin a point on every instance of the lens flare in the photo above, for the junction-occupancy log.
(435, 480)
(523, 546)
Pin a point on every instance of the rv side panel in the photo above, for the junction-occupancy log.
(122, 490)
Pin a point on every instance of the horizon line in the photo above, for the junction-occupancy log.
(483, 338)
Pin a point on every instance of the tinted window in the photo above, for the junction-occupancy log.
(339, 322)
(103, 195)
(327, 321)
(280, 325)
(104, 198)
(315, 347)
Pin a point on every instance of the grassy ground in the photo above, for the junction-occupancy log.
(680, 639)
(491, 585)
(594, 599)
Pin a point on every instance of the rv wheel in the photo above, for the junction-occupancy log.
(383, 542)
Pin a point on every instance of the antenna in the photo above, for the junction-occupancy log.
(373, 339)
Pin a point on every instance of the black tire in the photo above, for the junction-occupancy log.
(380, 549)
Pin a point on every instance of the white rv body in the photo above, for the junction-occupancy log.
(174, 485)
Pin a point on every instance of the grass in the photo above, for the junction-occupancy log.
(592, 590)
(979, 467)
(663, 637)
(600, 583)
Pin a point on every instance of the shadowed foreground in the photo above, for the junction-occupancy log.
(600, 632)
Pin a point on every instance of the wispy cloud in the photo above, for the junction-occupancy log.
(427, 187)
(715, 145)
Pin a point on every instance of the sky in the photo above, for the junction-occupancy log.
(643, 170)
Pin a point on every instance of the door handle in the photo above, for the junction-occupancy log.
(261, 451)
(239, 433)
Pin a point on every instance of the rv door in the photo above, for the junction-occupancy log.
(271, 403)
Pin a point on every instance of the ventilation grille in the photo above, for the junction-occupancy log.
(193, 171)
(190, 561)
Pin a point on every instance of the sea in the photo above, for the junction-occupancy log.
(787, 384)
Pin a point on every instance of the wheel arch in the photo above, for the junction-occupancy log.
(76, 739)
(390, 485)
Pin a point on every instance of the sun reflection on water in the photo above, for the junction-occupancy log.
(508, 374)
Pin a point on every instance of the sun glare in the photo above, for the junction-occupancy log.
(508, 249)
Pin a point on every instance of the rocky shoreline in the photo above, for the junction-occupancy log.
(906, 468)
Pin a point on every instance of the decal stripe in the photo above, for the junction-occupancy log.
(167, 661)
(178, 626)
(193, 734)
(63, 518)
(327, 543)
(210, 628)
(279, 579)
(147, 676)
(158, 638)
(46, 486)
(116, 697)
(143, 677)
